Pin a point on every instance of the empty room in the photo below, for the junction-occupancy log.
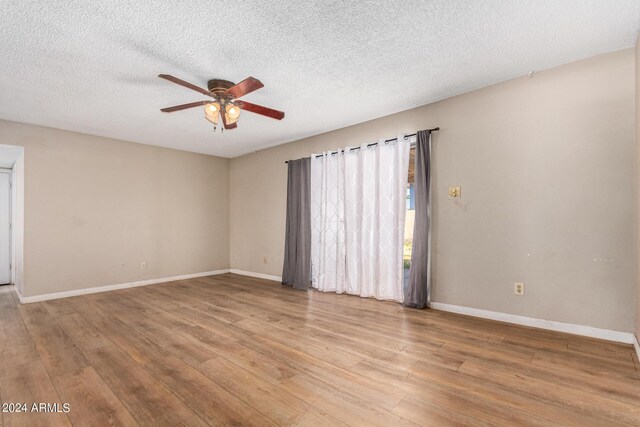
(320, 213)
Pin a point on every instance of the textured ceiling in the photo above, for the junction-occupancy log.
(91, 66)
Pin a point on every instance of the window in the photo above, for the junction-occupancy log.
(410, 216)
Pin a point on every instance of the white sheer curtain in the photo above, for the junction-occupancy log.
(358, 202)
(327, 223)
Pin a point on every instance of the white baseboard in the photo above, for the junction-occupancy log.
(258, 275)
(97, 289)
(587, 331)
(15, 288)
(636, 345)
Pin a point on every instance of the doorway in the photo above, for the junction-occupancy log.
(12, 216)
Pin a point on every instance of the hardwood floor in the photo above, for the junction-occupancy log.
(233, 350)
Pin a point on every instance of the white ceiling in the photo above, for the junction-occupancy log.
(91, 66)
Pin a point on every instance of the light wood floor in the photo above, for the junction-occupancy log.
(231, 350)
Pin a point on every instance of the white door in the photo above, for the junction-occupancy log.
(5, 230)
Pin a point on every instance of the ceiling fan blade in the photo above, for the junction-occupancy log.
(246, 86)
(184, 106)
(227, 125)
(259, 109)
(185, 84)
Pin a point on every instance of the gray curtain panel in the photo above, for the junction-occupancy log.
(417, 289)
(296, 271)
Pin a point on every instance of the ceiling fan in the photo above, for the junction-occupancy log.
(225, 102)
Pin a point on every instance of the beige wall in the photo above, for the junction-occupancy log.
(546, 168)
(95, 208)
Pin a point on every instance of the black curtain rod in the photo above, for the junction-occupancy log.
(375, 143)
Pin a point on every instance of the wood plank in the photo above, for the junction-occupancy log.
(471, 403)
(59, 307)
(148, 401)
(611, 387)
(57, 351)
(13, 357)
(256, 362)
(608, 410)
(211, 402)
(423, 412)
(83, 334)
(581, 365)
(134, 344)
(92, 402)
(13, 331)
(279, 406)
(321, 351)
(349, 408)
(316, 418)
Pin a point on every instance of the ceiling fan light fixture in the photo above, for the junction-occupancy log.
(232, 110)
(232, 113)
(212, 112)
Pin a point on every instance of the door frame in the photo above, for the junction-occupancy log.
(11, 221)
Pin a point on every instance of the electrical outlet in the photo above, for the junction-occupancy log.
(518, 288)
(264, 260)
(143, 266)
